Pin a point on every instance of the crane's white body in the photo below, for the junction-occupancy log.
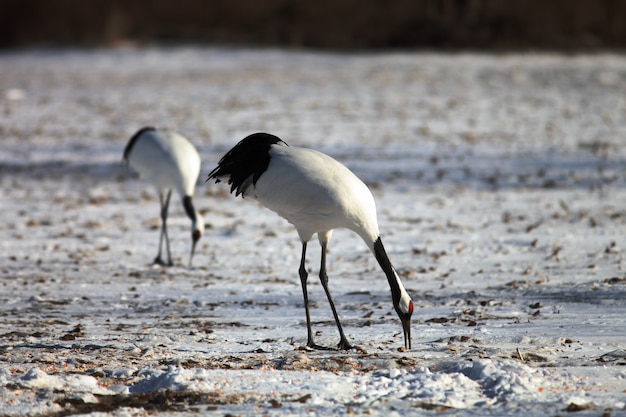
(169, 161)
(316, 194)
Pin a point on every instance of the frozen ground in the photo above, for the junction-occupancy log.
(500, 183)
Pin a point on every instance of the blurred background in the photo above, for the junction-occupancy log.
(325, 24)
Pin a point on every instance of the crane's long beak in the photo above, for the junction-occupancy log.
(406, 326)
(193, 249)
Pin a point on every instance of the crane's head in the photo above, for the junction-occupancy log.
(197, 230)
(404, 308)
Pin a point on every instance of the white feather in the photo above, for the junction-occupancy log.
(315, 193)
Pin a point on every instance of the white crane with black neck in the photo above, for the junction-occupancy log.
(316, 194)
(169, 161)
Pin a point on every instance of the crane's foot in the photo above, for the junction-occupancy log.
(314, 346)
(161, 262)
(344, 345)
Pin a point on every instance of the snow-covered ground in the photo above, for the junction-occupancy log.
(501, 189)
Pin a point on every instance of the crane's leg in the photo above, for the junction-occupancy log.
(343, 341)
(303, 277)
(165, 203)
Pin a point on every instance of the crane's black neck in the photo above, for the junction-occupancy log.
(189, 208)
(385, 264)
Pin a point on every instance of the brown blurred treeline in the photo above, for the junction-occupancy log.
(329, 24)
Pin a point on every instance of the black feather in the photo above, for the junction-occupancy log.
(249, 158)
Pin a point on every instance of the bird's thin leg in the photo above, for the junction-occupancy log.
(303, 278)
(158, 260)
(167, 237)
(343, 341)
(164, 209)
